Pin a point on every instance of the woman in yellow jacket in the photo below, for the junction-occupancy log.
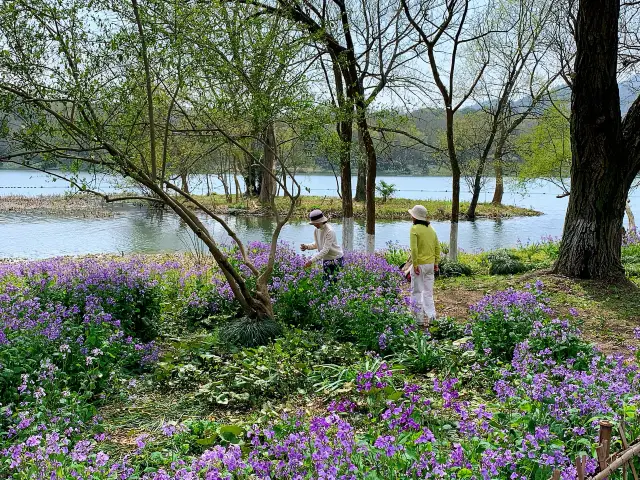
(425, 256)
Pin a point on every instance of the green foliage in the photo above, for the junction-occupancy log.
(631, 260)
(250, 332)
(454, 269)
(502, 321)
(560, 339)
(386, 190)
(445, 328)
(395, 254)
(546, 150)
(250, 375)
(503, 262)
(420, 354)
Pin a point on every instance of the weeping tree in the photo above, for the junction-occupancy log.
(605, 149)
(87, 85)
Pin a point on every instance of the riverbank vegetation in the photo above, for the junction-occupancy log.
(393, 209)
(124, 368)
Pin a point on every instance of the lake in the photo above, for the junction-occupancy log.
(134, 229)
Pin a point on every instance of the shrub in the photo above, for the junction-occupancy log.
(560, 340)
(444, 328)
(395, 254)
(454, 269)
(503, 262)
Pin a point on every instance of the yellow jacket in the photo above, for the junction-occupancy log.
(425, 247)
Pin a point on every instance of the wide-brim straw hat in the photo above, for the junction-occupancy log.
(419, 212)
(316, 217)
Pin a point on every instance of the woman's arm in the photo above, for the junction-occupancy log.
(329, 239)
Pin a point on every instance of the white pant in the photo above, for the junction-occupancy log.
(422, 293)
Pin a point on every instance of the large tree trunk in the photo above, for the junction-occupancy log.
(268, 184)
(592, 236)
(455, 188)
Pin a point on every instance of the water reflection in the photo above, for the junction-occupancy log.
(139, 229)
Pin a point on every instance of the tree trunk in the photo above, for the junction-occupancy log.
(477, 187)
(455, 188)
(268, 184)
(251, 177)
(371, 176)
(344, 128)
(235, 179)
(206, 175)
(592, 237)
(345, 172)
(185, 181)
(361, 184)
(225, 185)
(630, 217)
(497, 164)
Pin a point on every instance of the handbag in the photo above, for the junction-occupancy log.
(406, 269)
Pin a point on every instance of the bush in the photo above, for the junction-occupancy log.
(503, 262)
(560, 340)
(454, 269)
(386, 190)
(395, 254)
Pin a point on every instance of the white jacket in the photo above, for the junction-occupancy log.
(326, 244)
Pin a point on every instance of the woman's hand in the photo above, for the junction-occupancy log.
(436, 268)
(303, 247)
(308, 265)
(416, 269)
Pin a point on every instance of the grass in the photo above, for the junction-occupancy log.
(393, 209)
(87, 206)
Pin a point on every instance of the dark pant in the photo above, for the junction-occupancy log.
(331, 268)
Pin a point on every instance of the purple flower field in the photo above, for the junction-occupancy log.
(515, 394)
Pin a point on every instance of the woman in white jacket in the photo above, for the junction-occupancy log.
(326, 242)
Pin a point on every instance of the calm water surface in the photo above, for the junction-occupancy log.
(140, 230)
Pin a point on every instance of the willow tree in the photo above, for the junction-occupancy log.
(86, 85)
(605, 148)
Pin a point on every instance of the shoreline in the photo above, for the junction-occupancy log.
(89, 206)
